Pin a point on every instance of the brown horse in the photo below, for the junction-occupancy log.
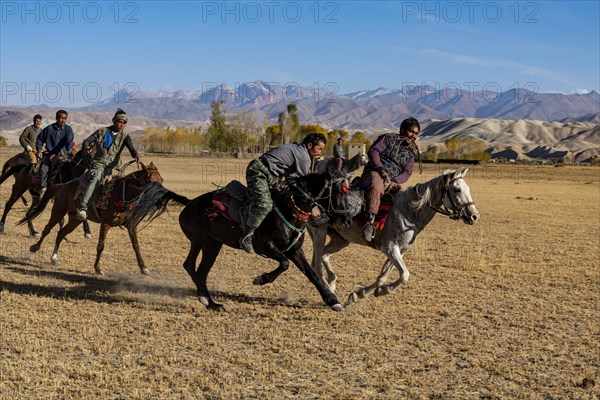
(27, 180)
(16, 160)
(126, 191)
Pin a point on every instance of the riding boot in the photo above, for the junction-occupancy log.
(368, 232)
(247, 232)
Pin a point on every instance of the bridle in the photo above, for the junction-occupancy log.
(325, 193)
(456, 211)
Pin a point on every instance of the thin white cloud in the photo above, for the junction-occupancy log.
(525, 69)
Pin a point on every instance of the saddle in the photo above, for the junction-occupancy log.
(227, 202)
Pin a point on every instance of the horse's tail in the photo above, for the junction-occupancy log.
(152, 203)
(12, 171)
(35, 212)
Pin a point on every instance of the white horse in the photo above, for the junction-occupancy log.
(413, 209)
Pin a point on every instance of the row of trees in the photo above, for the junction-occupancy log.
(459, 149)
(241, 133)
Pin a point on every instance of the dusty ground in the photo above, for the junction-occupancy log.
(504, 309)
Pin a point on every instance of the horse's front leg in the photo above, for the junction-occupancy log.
(274, 253)
(336, 243)
(366, 291)
(136, 248)
(397, 259)
(299, 259)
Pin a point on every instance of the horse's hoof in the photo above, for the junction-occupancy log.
(2, 228)
(337, 307)
(145, 271)
(204, 301)
(258, 280)
(217, 308)
(87, 236)
(36, 235)
(55, 261)
(99, 272)
(33, 248)
(353, 298)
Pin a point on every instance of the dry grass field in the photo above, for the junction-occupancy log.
(505, 309)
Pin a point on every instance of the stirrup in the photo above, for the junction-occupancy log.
(368, 232)
(81, 214)
(246, 243)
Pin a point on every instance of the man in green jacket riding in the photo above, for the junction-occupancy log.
(109, 143)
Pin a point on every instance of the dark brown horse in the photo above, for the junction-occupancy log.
(126, 191)
(27, 180)
(280, 237)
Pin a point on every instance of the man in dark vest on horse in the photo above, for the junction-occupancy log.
(109, 143)
(57, 139)
(391, 163)
(288, 160)
(28, 138)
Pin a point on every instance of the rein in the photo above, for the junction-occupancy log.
(299, 232)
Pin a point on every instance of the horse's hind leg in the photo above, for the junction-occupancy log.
(365, 291)
(100, 247)
(15, 195)
(190, 262)
(136, 248)
(62, 235)
(269, 277)
(210, 251)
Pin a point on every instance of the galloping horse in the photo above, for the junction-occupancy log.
(412, 210)
(280, 237)
(348, 166)
(124, 195)
(25, 180)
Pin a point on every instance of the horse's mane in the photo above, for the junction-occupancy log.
(423, 195)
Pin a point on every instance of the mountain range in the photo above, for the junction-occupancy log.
(369, 110)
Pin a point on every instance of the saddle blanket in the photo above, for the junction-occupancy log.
(227, 201)
(103, 194)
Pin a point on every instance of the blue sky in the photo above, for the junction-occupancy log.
(78, 52)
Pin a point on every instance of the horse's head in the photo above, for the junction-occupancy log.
(329, 192)
(151, 173)
(457, 196)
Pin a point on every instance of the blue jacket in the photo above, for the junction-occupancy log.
(56, 141)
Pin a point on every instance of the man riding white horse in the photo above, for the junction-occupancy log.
(391, 163)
